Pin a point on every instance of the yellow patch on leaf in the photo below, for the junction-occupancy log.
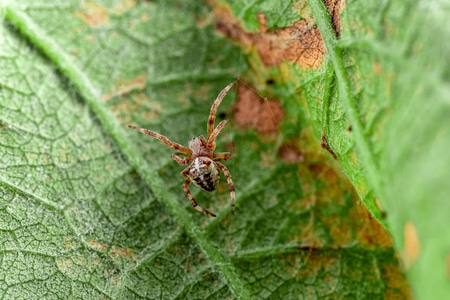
(93, 14)
(411, 250)
(124, 86)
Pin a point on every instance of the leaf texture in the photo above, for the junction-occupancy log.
(93, 210)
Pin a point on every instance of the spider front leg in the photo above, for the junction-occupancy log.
(230, 183)
(162, 138)
(191, 198)
(211, 144)
(212, 113)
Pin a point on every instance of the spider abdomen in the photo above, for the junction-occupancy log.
(204, 173)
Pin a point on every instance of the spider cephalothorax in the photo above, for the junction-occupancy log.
(204, 169)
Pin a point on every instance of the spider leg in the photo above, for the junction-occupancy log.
(222, 156)
(212, 114)
(212, 138)
(230, 183)
(179, 160)
(202, 138)
(194, 204)
(165, 140)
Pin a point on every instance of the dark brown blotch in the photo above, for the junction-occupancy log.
(206, 182)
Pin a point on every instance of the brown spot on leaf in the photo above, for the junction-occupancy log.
(370, 233)
(346, 226)
(397, 286)
(348, 221)
(68, 243)
(376, 68)
(126, 253)
(300, 43)
(308, 234)
(124, 86)
(74, 52)
(334, 8)
(145, 17)
(123, 6)
(290, 154)
(411, 249)
(318, 263)
(378, 204)
(447, 264)
(324, 145)
(64, 265)
(97, 245)
(93, 14)
(268, 160)
(255, 112)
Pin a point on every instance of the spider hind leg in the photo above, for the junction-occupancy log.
(230, 184)
(193, 202)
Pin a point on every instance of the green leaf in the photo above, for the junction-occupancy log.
(94, 210)
(400, 123)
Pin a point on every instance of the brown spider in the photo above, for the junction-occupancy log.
(204, 169)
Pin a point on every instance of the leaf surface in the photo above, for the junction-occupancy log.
(94, 210)
(398, 115)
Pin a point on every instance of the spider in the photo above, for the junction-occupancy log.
(204, 168)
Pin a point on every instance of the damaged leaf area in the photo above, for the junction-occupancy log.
(299, 43)
(94, 210)
(250, 111)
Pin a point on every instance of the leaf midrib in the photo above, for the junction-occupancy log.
(49, 47)
(322, 18)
